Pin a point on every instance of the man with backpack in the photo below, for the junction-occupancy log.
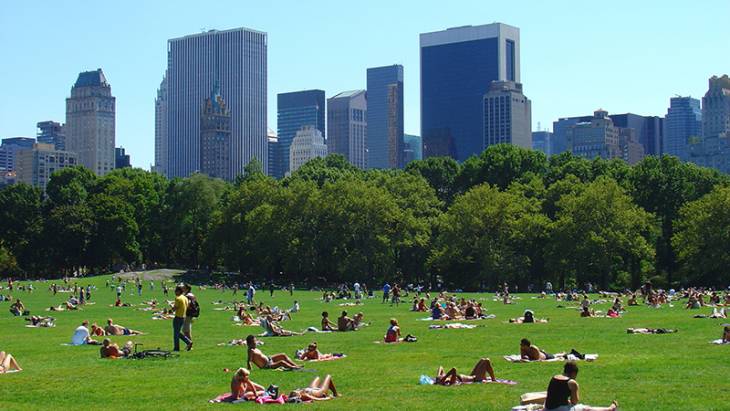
(192, 311)
(180, 309)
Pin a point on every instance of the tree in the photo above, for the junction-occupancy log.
(113, 237)
(323, 170)
(69, 185)
(702, 239)
(21, 223)
(440, 172)
(500, 165)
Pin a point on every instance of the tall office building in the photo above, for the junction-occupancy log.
(37, 164)
(161, 137)
(385, 116)
(682, 124)
(9, 150)
(542, 141)
(713, 149)
(307, 144)
(294, 111)
(457, 67)
(90, 122)
(507, 115)
(595, 138)
(215, 137)
(121, 158)
(347, 126)
(412, 148)
(237, 60)
(649, 130)
(273, 144)
(51, 132)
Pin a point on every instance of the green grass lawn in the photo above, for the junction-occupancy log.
(643, 372)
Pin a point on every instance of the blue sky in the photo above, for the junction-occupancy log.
(623, 56)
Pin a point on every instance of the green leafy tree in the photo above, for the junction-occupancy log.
(500, 165)
(441, 174)
(21, 224)
(328, 169)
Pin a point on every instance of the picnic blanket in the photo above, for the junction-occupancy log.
(569, 357)
(451, 326)
(426, 380)
(719, 342)
(228, 397)
(487, 317)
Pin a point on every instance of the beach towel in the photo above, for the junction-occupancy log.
(533, 398)
(451, 326)
(529, 407)
(569, 357)
(228, 397)
(426, 380)
(327, 357)
(487, 317)
(719, 342)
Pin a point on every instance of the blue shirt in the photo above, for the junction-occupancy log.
(386, 288)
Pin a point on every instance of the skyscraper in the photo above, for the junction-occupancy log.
(507, 115)
(294, 111)
(682, 123)
(161, 137)
(237, 60)
(38, 163)
(121, 158)
(347, 126)
(90, 123)
(51, 132)
(412, 148)
(457, 67)
(307, 144)
(9, 150)
(215, 137)
(385, 116)
(542, 141)
(713, 149)
(595, 138)
(273, 144)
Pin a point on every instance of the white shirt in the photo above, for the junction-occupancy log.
(80, 336)
(356, 286)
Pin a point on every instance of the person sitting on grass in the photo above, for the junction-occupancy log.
(612, 313)
(392, 335)
(8, 363)
(264, 362)
(114, 329)
(357, 321)
(632, 300)
(317, 390)
(243, 387)
(726, 335)
(81, 335)
(345, 323)
(245, 317)
(477, 374)
(112, 351)
(586, 312)
(563, 392)
(17, 308)
(438, 313)
(273, 329)
(327, 325)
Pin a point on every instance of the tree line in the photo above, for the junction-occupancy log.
(509, 214)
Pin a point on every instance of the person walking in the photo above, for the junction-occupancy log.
(192, 310)
(250, 293)
(180, 309)
(271, 289)
(386, 292)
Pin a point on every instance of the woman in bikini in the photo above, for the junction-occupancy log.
(243, 387)
(317, 390)
(478, 374)
(327, 325)
(8, 363)
(262, 361)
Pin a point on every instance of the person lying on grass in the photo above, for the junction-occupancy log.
(563, 392)
(245, 317)
(273, 329)
(264, 362)
(114, 329)
(327, 325)
(112, 351)
(527, 318)
(312, 353)
(8, 363)
(317, 390)
(587, 312)
(243, 387)
(477, 374)
(650, 331)
(38, 321)
(530, 352)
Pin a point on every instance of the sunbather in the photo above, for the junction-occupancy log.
(327, 325)
(586, 312)
(478, 374)
(530, 352)
(111, 350)
(345, 323)
(273, 329)
(114, 329)
(650, 331)
(82, 336)
(563, 392)
(317, 390)
(393, 333)
(17, 308)
(243, 387)
(528, 317)
(262, 361)
(726, 335)
(38, 321)
(8, 363)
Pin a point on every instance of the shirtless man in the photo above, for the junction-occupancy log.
(262, 361)
(478, 374)
(531, 352)
(327, 325)
(113, 329)
(345, 323)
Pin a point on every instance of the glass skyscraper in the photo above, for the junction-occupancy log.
(347, 126)
(682, 123)
(237, 60)
(457, 67)
(385, 117)
(294, 111)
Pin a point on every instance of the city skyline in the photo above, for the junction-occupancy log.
(641, 66)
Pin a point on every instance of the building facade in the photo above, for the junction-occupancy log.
(90, 122)
(161, 137)
(385, 116)
(215, 137)
(37, 164)
(412, 148)
(347, 126)
(273, 144)
(9, 151)
(294, 111)
(457, 67)
(713, 149)
(507, 115)
(649, 131)
(51, 132)
(542, 141)
(307, 144)
(595, 138)
(682, 124)
(121, 158)
(237, 60)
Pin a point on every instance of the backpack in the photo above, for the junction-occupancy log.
(193, 308)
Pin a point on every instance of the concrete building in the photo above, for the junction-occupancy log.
(457, 67)
(412, 148)
(215, 137)
(385, 116)
(595, 138)
(713, 149)
(237, 59)
(121, 158)
(273, 143)
(682, 124)
(161, 137)
(9, 150)
(507, 115)
(649, 130)
(347, 126)
(294, 111)
(7, 178)
(307, 144)
(51, 132)
(37, 164)
(632, 151)
(90, 122)
(542, 141)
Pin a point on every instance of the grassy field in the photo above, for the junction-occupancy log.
(643, 372)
